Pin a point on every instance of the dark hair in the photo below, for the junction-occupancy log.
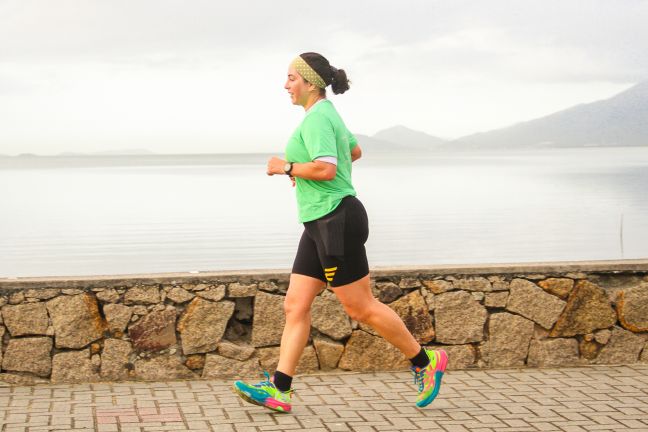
(335, 77)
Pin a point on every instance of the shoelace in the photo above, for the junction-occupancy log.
(267, 382)
(418, 377)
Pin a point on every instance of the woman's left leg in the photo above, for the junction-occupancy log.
(360, 304)
(428, 366)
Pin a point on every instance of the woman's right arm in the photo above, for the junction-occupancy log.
(356, 153)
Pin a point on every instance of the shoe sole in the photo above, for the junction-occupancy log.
(437, 386)
(247, 398)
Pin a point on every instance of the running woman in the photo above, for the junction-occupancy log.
(331, 250)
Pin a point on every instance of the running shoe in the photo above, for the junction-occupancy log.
(264, 394)
(429, 378)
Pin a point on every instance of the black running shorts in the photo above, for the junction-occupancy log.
(332, 247)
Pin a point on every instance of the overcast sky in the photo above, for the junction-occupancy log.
(207, 76)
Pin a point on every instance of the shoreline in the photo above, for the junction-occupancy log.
(378, 271)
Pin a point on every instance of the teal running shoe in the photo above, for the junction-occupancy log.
(264, 394)
(429, 378)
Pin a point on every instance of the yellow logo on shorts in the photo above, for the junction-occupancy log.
(330, 273)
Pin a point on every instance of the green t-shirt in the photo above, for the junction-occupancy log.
(322, 133)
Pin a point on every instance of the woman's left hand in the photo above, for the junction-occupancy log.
(276, 166)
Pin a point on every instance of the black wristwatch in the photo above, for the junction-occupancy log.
(288, 168)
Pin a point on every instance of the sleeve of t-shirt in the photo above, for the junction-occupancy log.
(318, 136)
(353, 141)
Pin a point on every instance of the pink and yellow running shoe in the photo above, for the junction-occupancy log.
(264, 394)
(429, 378)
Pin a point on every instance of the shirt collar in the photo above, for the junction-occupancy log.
(323, 99)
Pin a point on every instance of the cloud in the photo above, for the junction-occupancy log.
(194, 75)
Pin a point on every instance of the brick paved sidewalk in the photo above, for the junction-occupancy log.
(601, 398)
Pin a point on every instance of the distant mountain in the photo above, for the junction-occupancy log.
(124, 152)
(119, 152)
(398, 139)
(413, 139)
(621, 120)
(372, 145)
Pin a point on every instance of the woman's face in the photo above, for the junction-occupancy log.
(298, 89)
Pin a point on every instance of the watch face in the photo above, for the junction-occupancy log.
(287, 167)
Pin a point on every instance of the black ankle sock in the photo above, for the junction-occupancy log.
(282, 381)
(421, 359)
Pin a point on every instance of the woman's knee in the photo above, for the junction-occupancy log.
(295, 307)
(360, 312)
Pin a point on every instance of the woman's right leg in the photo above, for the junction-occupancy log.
(297, 305)
(276, 394)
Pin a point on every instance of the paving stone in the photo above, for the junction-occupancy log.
(516, 400)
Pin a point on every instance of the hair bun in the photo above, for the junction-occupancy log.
(334, 71)
(340, 82)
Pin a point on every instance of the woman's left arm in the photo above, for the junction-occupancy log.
(316, 170)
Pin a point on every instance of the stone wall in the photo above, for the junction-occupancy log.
(188, 326)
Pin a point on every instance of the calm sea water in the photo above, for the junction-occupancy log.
(203, 213)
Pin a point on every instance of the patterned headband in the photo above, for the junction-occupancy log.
(307, 72)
